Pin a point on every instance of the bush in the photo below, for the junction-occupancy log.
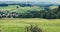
(32, 28)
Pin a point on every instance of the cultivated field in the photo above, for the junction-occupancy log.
(18, 24)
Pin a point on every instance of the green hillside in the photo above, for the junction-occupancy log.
(13, 8)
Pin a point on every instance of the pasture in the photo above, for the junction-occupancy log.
(13, 8)
(18, 24)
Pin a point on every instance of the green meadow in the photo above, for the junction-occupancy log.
(13, 8)
(18, 24)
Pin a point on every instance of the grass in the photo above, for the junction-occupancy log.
(18, 24)
(13, 8)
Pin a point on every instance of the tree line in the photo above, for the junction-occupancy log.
(48, 14)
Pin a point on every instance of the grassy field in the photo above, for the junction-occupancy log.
(13, 8)
(18, 24)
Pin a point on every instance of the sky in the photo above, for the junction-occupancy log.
(52, 1)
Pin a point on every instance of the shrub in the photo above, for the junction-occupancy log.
(32, 28)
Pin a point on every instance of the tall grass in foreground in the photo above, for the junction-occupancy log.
(19, 24)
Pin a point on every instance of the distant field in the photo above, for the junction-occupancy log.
(13, 8)
(18, 24)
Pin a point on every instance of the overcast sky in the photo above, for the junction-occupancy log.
(52, 1)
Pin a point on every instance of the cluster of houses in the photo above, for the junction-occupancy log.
(6, 14)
